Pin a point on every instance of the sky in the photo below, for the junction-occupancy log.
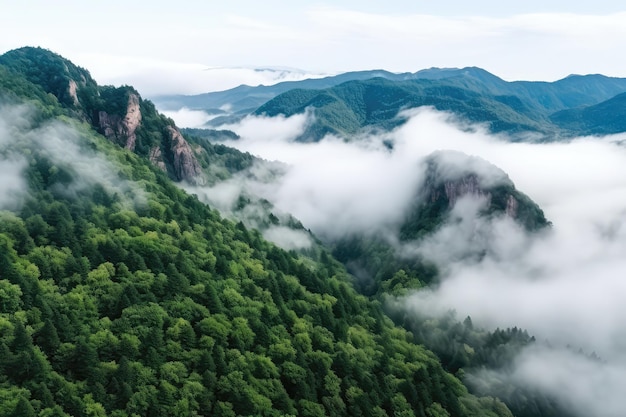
(192, 46)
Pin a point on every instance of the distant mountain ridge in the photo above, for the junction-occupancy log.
(248, 98)
(343, 103)
(473, 94)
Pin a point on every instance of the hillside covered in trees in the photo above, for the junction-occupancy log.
(122, 295)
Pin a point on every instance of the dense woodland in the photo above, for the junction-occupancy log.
(123, 295)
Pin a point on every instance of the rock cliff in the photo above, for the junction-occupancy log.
(122, 130)
(156, 157)
(161, 142)
(450, 176)
(184, 162)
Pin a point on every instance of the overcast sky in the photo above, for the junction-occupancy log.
(164, 47)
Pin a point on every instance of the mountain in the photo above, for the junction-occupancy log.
(350, 107)
(603, 118)
(450, 178)
(472, 93)
(245, 99)
(460, 207)
(544, 97)
(123, 295)
(570, 92)
(118, 113)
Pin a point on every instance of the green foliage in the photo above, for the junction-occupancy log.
(210, 134)
(603, 118)
(467, 351)
(164, 308)
(128, 297)
(348, 107)
(49, 71)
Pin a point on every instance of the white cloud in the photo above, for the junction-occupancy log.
(154, 76)
(565, 284)
(332, 186)
(12, 184)
(266, 135)
(185, 117)
(62, 144)
(288, 238)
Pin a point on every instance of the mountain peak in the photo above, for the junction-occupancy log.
(50, 71)
(118, 113)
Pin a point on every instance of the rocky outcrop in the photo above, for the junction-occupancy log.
(512, 206)
(156, 157)
(122, 130)
(450, 176)
(72, 90)
(185, 165)
(468, 185)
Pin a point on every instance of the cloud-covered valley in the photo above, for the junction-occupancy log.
(565, 285)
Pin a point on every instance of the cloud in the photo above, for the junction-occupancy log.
(209, 47)
(65, 146)
(288, 238)
(564, 284)
(154, 77)
(185, 117)
(13, 187)
(585, 385)
(590, 386)
(12, 184)
(332, 186)
(223, 196)
(260, 132)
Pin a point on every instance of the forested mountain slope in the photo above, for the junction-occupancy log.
(547, 97)
(346, 109)
(122, 295)
(471, 93)
(600, 119)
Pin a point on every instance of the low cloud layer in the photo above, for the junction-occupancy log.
(12, 184)
(564, 285)
(333, 187)
(62, 144)
(185, 117)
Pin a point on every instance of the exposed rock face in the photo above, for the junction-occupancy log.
(185, 164)
(450, 176)
(122, 131)
(156, 157)
(511, 207)
(72, 88)
(468, 185)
